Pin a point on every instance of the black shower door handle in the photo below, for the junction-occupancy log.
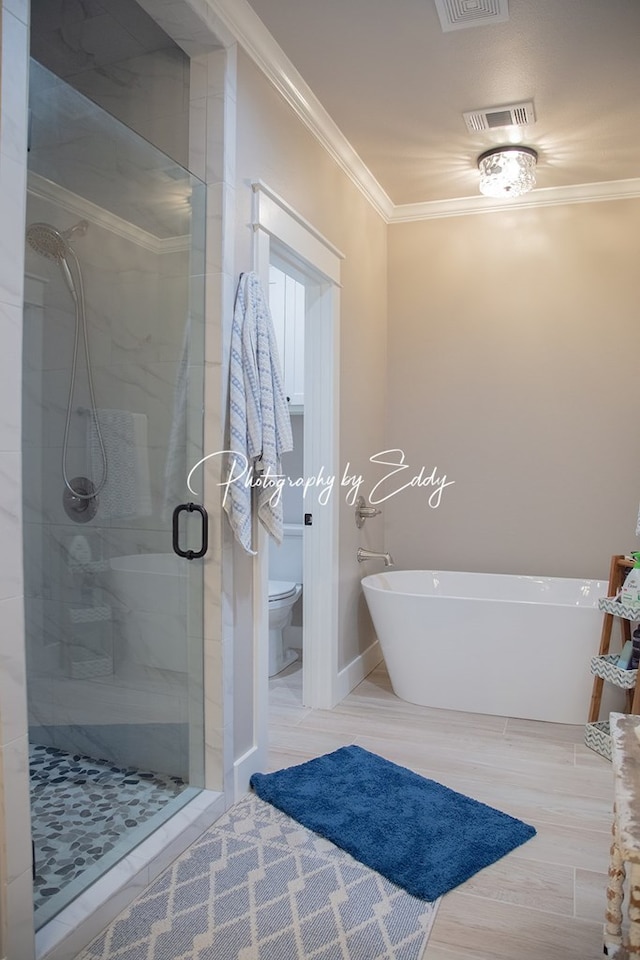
(190, 508)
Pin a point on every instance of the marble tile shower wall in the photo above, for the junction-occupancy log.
(15, 853)
(137, 302)
(159, 111)
(116, 55)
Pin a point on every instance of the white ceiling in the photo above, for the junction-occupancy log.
(396, 85)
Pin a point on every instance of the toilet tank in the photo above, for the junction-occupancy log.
(285, 561)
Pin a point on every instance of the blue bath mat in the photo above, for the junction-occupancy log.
(417, 833)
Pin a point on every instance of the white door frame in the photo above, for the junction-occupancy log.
(274, 218)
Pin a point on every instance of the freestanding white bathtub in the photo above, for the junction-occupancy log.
(501, 644)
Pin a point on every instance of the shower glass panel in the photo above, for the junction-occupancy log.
(112, 421)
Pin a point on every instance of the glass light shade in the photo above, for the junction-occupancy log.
(507, 171)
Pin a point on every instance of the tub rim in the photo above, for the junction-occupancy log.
(490, 599)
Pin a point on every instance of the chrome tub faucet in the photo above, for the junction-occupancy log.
(364, 554)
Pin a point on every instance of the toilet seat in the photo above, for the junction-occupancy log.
(281, 589)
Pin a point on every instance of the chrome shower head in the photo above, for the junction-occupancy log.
(47, 241)
(50, 243)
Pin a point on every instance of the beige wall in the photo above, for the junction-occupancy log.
(274, 146)
(513, 357)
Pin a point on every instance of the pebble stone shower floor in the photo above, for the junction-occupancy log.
(80, 809)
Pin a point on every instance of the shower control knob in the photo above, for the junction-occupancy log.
(363, 512)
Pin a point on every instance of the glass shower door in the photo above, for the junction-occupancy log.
(112, 422)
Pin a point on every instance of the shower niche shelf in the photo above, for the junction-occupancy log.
(604, 666)
(84, 664)
(90, 614)
(88, 650)
(91, 566)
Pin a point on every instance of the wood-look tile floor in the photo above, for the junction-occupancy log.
(544, 901)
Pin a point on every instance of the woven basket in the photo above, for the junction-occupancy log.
(606, 667)
(597, 737)
(629, 611)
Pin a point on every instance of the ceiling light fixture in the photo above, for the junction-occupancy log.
(507, 171)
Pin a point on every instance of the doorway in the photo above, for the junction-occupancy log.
(287, 302)
(282, 236)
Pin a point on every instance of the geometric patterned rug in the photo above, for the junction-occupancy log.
(257, 885)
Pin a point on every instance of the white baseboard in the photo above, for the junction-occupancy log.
(357, 670)
(243, 767)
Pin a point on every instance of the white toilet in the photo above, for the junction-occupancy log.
(285, 587)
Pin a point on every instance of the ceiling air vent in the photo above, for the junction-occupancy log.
(512, 115)
(457, 14)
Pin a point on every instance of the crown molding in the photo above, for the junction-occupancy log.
(241, 20)
(243, 23)
(544, 197)
(45, 189)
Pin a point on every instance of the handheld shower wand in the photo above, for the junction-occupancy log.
(66, 273)
(50, 243)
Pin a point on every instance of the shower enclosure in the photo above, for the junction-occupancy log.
(112, 423)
